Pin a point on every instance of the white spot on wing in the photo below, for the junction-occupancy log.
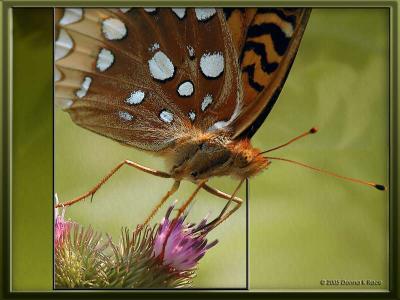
(166, 116)
(84, 87)
(192, 115)
(190, 51)
(161, 67)
(150, 9)
(105, 59)
(203, 14)
(135, 97)
(221, 124)
(180, 12)
(71, 15)
(212, 64)
(154, 47)
(57, 74)
(185, 89)
(124, 115)
(218, 125)
(113, 29)
(207, 100)
(287, 29)
(63, 45)
(63, 103)
(125, 10)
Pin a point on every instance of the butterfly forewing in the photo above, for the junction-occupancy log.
(145, 77)
(267, 47)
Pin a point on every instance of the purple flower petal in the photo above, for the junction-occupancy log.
(61, 229)
(180, 246)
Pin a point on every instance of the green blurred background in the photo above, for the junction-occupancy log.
(303, 226)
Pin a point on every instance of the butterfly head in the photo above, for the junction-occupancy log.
(206, 155)
(247, 161)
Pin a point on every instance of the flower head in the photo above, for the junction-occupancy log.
(61, 227)
(181, 245)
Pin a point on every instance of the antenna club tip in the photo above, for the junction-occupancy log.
(380, 187)
(314, 130)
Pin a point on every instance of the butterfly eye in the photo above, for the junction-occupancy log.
(194, 174)
(242, 160)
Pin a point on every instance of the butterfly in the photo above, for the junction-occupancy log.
(191, 85)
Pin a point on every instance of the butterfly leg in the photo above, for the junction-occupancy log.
(173, 189)
(224, 215)
(222, 218)
(108, 176)
(190, 199)
(220, 194)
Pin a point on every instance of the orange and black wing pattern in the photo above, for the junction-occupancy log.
(266, 41)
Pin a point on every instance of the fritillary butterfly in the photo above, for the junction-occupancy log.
(192, 85)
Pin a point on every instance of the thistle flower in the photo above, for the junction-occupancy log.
(79, 257)
(180, 245)
(61, 227)
(162, 256)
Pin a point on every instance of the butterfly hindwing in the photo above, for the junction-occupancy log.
(144, 77)
(238, 20)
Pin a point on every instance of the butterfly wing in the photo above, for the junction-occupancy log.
(145, 77)
(267, 40)
(238, 20)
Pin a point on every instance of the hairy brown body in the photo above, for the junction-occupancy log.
(205, 155)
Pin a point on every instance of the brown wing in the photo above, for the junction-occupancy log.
(268, 40)
(145, 77)
(238, 20)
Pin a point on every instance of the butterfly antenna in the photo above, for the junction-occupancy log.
(311, 131)
(373, 184)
